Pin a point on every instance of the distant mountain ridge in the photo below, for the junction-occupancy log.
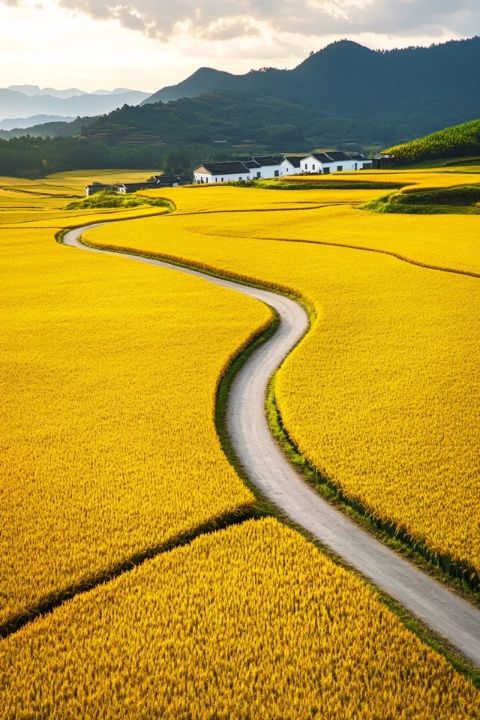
(49, 129)
(16, 104)
(33, 90)
(33, 121)
(418, 90)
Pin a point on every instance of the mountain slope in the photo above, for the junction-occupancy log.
(234, 118)
(417, 89)
(203, 80)
(457, 141)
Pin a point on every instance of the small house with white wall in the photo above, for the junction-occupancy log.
(255, 168)
(290, 165)
(218, 172)
(275, 166)
(333, 161)
(268, 166)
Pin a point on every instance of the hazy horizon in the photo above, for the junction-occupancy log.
(97, 89)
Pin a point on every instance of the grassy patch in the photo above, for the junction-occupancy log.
(107, 199)
(464, 199)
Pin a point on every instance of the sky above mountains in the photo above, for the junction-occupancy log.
(146, 44)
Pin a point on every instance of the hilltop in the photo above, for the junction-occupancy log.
(415, 90)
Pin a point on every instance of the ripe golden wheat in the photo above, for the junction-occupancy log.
(383, 395)
(251, 622)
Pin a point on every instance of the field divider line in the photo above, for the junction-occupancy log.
(54, 600)
(447, 614)
(377, 251)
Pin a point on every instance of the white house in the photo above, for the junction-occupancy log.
(268, 166)
(290, 165)
(274, 166)
(218, 172)
(333, 161)
(255, 168)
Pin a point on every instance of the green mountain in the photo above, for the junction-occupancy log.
(415, 90)
(457, 141)
(50, 129)
(238, 119)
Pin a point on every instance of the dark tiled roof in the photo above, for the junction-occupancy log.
(267, 160)
(337, 155)
(358, 157)
(294, 160)
(251, 164)
(171, 180)
(133, 187)
(233, 167)
(321, 157)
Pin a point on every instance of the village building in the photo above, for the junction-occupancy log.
(218, 172)
(382, 161)
(290, 165)
(269, 166)
(276, 166)
(332, 161)
(153, 183)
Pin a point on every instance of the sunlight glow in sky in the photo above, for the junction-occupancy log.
(146, 44)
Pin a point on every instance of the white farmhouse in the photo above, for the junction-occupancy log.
(268, 166)
(274, 166)
(290, 165)
(265, 166)
(218, 172)
(332, 161)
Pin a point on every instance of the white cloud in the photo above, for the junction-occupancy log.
(236, 18)
(150, 43)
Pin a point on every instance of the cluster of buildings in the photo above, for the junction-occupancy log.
(153, 183)
(274, 166)
(252, 168)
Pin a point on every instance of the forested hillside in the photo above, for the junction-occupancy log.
(414, 90)
(36, 157)
(345, 96)
(237, 118)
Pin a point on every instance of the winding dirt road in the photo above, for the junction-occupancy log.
(443, 611)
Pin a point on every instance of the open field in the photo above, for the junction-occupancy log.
(382, 396)
(250, 622)
(109, 374)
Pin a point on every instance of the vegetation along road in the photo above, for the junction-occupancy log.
(443, 611)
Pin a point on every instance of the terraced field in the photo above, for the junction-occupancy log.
(111, 455)
(382, 396)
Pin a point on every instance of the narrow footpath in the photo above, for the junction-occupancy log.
(447, 614)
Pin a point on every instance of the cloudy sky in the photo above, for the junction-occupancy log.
(146, 44)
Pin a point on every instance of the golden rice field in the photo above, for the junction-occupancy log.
(109, 448)
(383, 394)
(250, 622)
(109, 375)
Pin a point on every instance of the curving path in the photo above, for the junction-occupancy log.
(443, 611)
